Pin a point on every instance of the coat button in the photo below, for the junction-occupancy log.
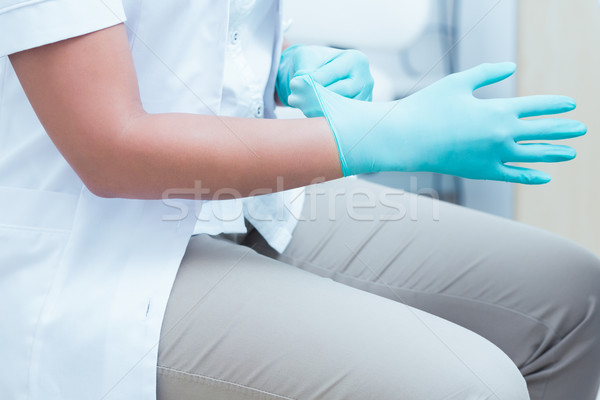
(235, 37)
(258, 112)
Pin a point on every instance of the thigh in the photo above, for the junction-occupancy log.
(240, 325)
(524, 289)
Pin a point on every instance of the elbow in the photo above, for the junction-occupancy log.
(103, 178)
(117, 184)
(103, 193)
(101, 188)
(112, 163)
(107, 168)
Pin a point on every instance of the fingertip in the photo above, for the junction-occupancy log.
(565, 104)
(294, 84)
(527, 176)
(490, 73)
(561, 153)
(571, 154)
(304, 85)
(576, 128)
(545, 180)
(504, 69)
(566, 155)
(509, 67)
(539, 105)
(540, 178)
(293, 100)
(299, 80)
(570, 102)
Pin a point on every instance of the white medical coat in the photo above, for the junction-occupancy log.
(84, 280)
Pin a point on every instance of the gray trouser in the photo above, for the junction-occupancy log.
(384, 301)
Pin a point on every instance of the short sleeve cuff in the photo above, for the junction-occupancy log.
(26, 24)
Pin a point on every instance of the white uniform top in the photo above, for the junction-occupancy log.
(84, 281)
(248, 57)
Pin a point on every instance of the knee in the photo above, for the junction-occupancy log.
(585, 292)
(588, 281)
(492, 376)
(570, 304)
(456, 364)
(575, 285)
(485, 372)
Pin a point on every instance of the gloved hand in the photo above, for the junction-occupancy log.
(345, 72)
(444, 128)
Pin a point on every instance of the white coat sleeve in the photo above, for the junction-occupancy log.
(25, 24)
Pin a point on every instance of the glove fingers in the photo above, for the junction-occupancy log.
(524, 175)
(487, 74)
(334, 70)
(540, 152)
(550, 129)
(304, 96)
(352, 88)
(535, 106)
(350, 67)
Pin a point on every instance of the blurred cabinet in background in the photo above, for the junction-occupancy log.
(559, 53)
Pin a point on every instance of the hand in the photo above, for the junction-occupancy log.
(444, 128)
(345, 72)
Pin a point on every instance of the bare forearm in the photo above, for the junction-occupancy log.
(84, 91)
(206, 157)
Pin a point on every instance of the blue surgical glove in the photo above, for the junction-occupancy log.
(345, 72)
(444, 128)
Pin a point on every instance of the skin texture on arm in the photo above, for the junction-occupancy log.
(85, 92)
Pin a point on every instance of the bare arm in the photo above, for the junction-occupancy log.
(85, 92)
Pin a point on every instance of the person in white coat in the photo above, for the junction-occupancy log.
(138, 261)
